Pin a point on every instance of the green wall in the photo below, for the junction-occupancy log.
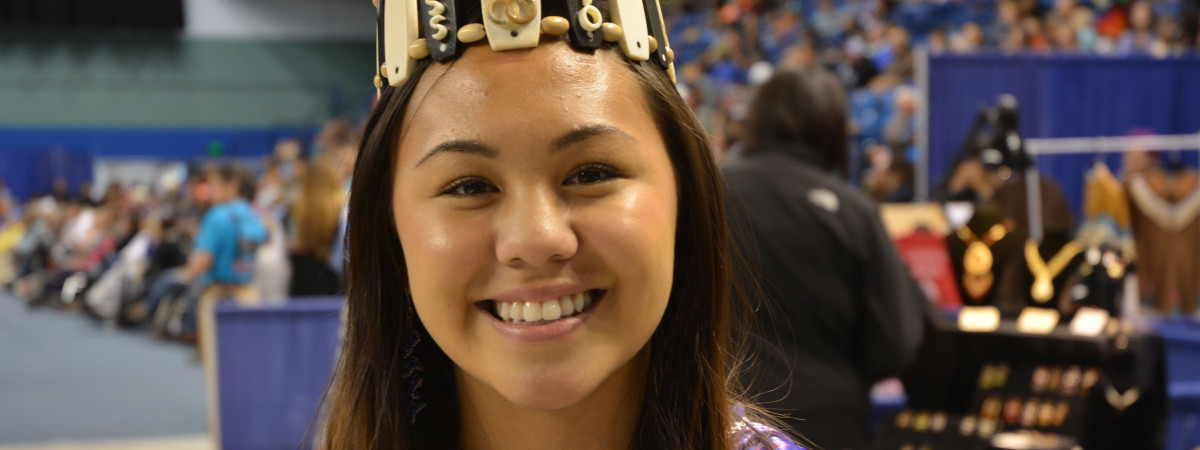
(166, 81)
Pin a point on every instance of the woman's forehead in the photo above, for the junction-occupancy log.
(553, 66)
(486, 94)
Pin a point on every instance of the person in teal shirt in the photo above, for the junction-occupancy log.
(229, 232)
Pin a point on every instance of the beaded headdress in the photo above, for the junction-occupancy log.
(407, 31)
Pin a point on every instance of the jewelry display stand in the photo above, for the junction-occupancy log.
(1067, 371)
(1104, 392)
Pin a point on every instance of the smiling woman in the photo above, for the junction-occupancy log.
(537, 253)
(573, 199)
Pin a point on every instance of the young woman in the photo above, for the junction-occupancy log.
(537, 258)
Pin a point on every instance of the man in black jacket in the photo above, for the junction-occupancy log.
(836, 310)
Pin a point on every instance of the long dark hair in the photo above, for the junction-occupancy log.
(686, 401)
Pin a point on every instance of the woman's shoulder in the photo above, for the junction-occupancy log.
(750, 434)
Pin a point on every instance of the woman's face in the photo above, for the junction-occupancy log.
(530, 184)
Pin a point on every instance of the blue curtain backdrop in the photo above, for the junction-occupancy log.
(1062, 96)
(32, 158)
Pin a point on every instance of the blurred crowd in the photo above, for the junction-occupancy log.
(722, 55)
(143, 254)
(128, 254)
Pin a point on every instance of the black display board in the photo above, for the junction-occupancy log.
(956, 374)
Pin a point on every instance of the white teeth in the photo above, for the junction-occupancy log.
(567, 306)
(502, 310)
(551, 311)
(581, 301)
(533, 311)
(517, 311)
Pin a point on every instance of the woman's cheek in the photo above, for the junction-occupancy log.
(636, 231)
(442, 253)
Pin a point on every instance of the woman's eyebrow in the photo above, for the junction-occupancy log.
(460, 146)
(563, 142)
(586, 133)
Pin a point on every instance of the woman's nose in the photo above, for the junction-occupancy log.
(534, 229)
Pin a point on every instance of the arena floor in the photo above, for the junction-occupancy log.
(67, 382)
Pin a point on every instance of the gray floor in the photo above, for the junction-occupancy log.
(64, 377)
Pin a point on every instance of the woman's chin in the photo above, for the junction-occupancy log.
(544, 396)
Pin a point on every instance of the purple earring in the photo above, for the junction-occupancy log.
(412, 373)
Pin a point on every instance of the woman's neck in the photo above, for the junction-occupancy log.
(605, 419)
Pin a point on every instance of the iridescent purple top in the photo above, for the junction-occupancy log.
(747, 434)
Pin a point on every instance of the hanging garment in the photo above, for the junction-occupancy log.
(1165, 212)
(1106, 219)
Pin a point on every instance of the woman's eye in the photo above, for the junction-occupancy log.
(469, 187)
(592, 175)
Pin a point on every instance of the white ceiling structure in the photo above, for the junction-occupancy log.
(280, 19)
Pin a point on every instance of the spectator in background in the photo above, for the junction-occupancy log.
(1062, 11)
(838, 310)
(77, 222)
(1015, 42)
(1035, 35)
(271, 188)
(31, 254)
(114, 195)
(1139, 39)
(9, 212)
(936, 43)
(6, 212)
(1031, 8)
(4, 192)
(800, 56)
(341, 160)
(891, 181)
(314, 223)
(1085, 35)
(1008, 19)
(784, 29)
(968, 40)
(222, 257)
(826, 21)
(1169, 38)
(900, 131)
(60, 191)
(222, 261)
(10, 234)
(96, 244)
(85, 194)
(333, 133)
(901, 62)
(1063, 37)
(856, 70)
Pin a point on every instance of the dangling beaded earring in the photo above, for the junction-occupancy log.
(412, 372)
